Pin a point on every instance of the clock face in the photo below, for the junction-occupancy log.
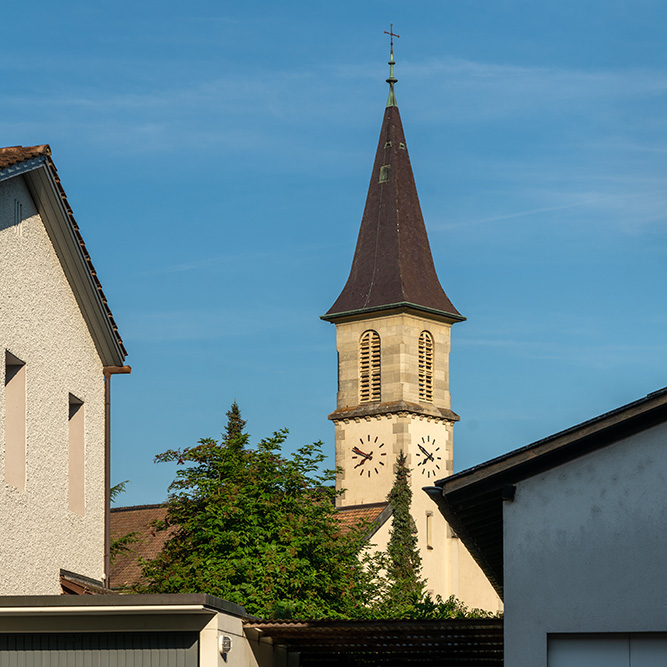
(369, 456)
(428, 458)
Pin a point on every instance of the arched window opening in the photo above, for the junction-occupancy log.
(426, 367)
(369, 367)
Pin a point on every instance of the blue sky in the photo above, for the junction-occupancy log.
(217, 157)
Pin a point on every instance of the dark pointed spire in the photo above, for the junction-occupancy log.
(392, 265)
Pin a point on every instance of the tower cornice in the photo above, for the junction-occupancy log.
(393, 408)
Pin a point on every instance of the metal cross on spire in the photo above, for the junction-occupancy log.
(391, 34)
(391, 102)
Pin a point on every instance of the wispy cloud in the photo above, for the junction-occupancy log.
(516, 214)
(593, 355)
(488, 89)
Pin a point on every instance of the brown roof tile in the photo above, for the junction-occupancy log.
(126, 570)
(351, 516)
(392, 263)
(14, 155)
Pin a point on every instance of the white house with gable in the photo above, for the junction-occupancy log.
(60, 345)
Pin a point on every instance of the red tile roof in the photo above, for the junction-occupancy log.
(126, 570)
(349, 517)
(14, 155)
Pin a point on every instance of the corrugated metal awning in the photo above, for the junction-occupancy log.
(448, 643)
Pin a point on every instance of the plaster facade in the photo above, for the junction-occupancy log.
(584, 547)
(42, 325)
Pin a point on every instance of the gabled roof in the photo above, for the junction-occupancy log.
(72, 583)
(472, 500)
(375, 514)
(392, 265)
(34, 163)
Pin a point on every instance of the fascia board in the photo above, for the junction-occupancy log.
(21, 168)
(58, 225)
(106, 609)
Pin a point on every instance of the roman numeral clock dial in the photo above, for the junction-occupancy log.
(368, 455)
(428, 459)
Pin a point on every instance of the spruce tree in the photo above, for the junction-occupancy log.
(235, 424)
(406, 586)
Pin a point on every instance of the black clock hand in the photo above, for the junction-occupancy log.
(426, 454)
(356, 450)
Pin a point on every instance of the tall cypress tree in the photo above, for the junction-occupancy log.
(404, 568)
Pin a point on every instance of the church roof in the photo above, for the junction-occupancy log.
(392, 265)
(36, 165)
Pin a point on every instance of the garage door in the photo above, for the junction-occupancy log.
(613, 650)
(112, 649)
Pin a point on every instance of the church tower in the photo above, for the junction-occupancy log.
(393, 322)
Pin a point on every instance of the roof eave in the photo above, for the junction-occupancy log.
(44, 189)
(391, 308)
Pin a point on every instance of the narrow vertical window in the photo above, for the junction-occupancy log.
(426, 367)
(369, 367)
(76, 457)
(429, 530)
(14, 421)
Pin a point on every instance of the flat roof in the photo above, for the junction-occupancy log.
(161, 602)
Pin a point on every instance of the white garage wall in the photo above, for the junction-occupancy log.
(585, 547)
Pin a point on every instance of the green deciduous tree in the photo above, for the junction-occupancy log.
(258, 528)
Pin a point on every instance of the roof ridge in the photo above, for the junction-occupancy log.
(127, 508)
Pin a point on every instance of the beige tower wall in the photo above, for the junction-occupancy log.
(401, 422)
(399, 340)
(42, 325)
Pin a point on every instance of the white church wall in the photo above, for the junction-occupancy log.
(41, 325)
(584, 548)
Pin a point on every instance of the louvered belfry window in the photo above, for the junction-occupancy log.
(426, 367)
(369, 367)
